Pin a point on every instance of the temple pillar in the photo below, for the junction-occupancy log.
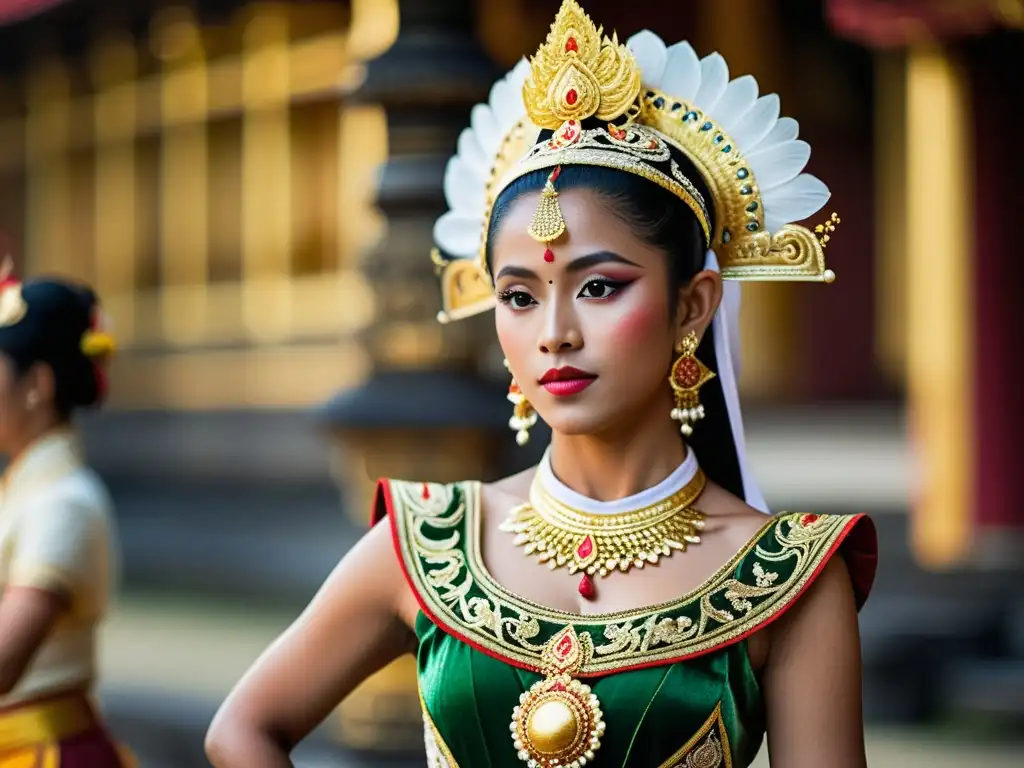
(426, 411)
(938, 300)
(947, 297)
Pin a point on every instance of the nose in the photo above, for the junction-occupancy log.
(561, 332)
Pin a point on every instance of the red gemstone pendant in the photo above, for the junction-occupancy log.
(585, 549)
(549, 256)
(586, 587)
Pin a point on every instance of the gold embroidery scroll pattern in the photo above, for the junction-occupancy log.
(646, 633)
(666, 633)
(803, 538)
(708, 748)
(440, 567)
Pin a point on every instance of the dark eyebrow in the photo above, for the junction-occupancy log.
(600, 257)
(576, 265)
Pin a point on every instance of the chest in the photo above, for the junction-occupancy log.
(705, 711)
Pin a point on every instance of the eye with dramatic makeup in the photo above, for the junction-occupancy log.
(601, 288)
(516, 299)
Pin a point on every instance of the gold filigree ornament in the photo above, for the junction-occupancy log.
(559, 721)
(561, 536)
(580, 73)
(652, 110)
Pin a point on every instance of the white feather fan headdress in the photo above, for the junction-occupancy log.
(644, 108)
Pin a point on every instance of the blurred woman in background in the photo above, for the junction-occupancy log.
(57, 543)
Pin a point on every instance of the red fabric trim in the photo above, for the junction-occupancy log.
(859, 539)
(382, 493)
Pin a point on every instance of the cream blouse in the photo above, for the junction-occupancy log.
(57, 534)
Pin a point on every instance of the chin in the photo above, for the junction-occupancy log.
(580, 423)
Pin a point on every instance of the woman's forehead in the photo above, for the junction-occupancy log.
(591, 225)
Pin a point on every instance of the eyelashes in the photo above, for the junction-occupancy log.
(604, 286)
(594, 289)
(515, 299)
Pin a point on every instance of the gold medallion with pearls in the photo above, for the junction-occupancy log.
(558, 721)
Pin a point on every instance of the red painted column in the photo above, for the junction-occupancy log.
(998, 409)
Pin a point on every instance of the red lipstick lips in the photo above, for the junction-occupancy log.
(566, 381)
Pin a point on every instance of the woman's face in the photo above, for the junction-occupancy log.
(25, 403)
(589, 336)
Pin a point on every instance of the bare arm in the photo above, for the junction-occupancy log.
(26, 618)
(812, 679)
(351, 629)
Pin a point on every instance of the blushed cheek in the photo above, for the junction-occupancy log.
(637, 326)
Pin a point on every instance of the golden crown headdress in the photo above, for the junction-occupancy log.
(636, 107)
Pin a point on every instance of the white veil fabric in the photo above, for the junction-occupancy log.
(726, 332)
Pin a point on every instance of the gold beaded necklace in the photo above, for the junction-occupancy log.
(561, 536)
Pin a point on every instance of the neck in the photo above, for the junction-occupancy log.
(22, 442)
(619, 463)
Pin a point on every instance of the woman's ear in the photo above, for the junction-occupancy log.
(698, 302)
(41, 382)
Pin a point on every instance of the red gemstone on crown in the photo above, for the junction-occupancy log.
(571, 96)
(549, 256)
(570, 45)
(586, 548)
(586, 587)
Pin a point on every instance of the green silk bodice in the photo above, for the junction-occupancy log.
(674, 681)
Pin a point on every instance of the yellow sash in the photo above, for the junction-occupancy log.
(30, 734)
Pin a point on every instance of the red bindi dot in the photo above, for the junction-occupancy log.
(549, 256)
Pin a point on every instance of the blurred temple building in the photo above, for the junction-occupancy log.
(251, 187)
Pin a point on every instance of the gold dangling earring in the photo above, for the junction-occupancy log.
(523, 415)
(688, 375)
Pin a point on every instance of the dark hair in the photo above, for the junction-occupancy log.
(56, 316)
(667, 223)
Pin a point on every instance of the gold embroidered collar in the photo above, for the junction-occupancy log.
(438, 534)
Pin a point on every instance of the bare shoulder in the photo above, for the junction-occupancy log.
(374, 561)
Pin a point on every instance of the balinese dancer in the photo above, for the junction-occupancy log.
(627, 602)
(57, 545)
